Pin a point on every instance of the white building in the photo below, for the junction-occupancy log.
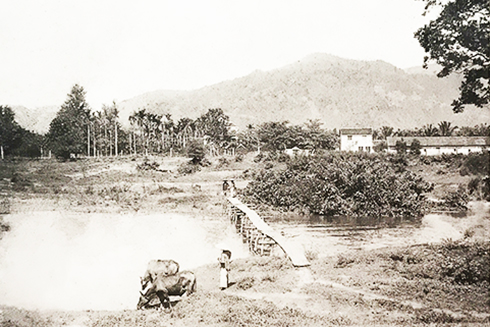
(436, 145)
(356, 139)
(297, 152)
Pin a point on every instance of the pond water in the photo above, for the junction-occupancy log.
(330, 236)
(73, 261)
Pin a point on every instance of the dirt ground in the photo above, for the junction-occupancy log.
(79, 242)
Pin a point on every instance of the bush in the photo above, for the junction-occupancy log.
(465, 262)
(4, 226)
(223, 162)
(480, 187)
(477, 163)
(195, 151)
(341, 184)
(188, 168)
(401, 147)
(147, 165)
(380, 146)
(415, 147)
(457, 200)
(20, 182)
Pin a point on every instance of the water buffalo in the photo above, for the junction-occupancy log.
(181, 284)
(158, 268)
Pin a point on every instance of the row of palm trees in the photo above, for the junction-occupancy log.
(152, 132)
(104, 132)
(444, 128)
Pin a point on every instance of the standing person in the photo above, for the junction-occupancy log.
(224, 263)
(226, 186)
(232, 189)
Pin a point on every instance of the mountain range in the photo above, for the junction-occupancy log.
(339, 92)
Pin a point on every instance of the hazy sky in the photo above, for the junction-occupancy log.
(117, 49)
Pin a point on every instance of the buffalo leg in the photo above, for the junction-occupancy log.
(164, 299)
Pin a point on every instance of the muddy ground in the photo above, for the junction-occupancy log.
(81, 234)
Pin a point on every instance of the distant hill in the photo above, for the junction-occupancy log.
(339, 92)
(37, 119)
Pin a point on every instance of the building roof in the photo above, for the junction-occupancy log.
(356, 131)
(438, 141)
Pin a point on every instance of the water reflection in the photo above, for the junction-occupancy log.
(351, 222)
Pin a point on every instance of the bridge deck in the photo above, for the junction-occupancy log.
(292, 249)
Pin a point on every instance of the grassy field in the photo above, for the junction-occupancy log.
(424, 284)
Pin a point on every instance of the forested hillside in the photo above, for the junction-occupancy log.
(337, 91)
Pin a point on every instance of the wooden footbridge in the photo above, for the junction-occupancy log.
(262, 238)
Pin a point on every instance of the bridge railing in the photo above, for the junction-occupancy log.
(260, 237)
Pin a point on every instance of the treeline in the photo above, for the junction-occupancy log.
(77, 130)
(444, 128)
(16, 140)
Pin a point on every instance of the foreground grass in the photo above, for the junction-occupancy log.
(374, 292)
(443, 283)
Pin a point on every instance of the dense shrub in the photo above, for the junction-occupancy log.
(415, 147)
(456, 200)
(222, 162)
(477, 163)
(196, 151)
(188, 168)
(147, 165)
(465, 262)
(457, 262)
(341, 184)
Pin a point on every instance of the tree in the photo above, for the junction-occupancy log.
(68, 130)
(148, 125)
(458, 40)
(445, 128)
(385, 131)
(401, 147)
(10, 130)
(215, 124)
(429, 130)
(196, 151)
(415, 147)
(477, 130)
(317, 138)
(105, 130)
(184, 129)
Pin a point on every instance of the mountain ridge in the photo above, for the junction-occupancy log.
(339, 92)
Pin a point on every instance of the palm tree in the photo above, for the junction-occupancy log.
(385, 132)
(185, 128)
(429, 130)
(446, 129)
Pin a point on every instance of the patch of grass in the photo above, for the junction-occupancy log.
(452, 275)
(14, 317)
(166, 190)
(236, 311)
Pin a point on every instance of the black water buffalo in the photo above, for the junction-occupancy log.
(181, 284)
(158, 268)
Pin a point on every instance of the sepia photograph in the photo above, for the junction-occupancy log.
(244, 163)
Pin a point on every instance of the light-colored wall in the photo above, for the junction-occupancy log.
(298, 152)
(434, 151)
(356, 142)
